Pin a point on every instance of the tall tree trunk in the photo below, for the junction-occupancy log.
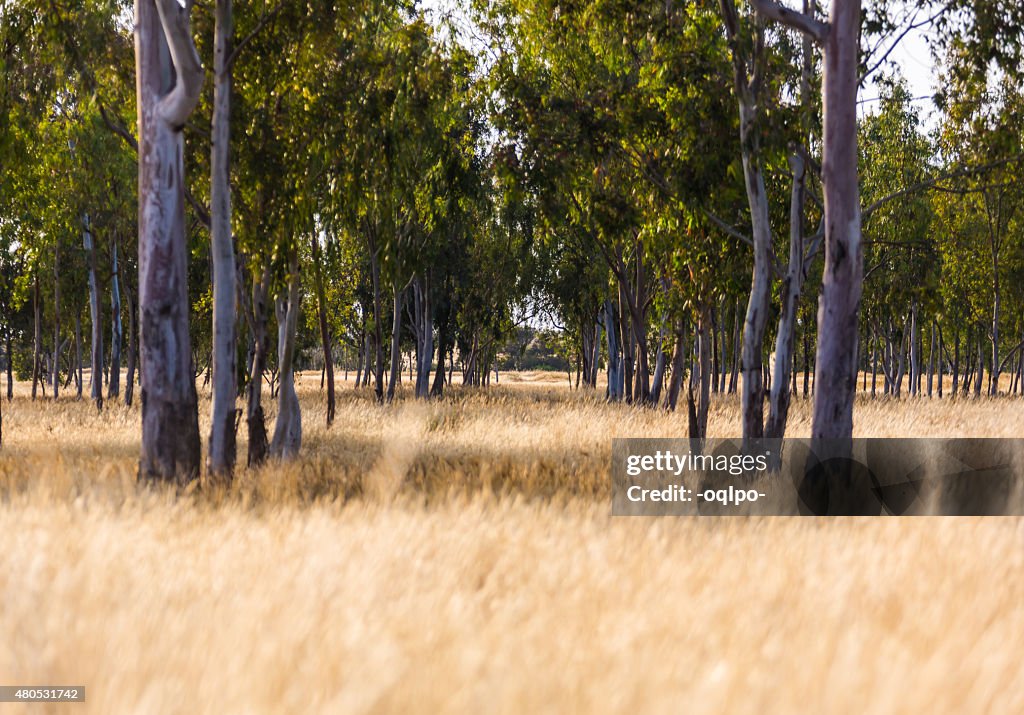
(378, 316)
(222, 453)
(114, 387)
(37, 343)
(133, 349)
(915, 358)
(10, 367)
(835, 361)
(55, 376)
(254, 416)
(78, 356)
(96, 362)
(615, 366)
(778, 409)
(931, 361)
(424, 328)
(678, 367)
(396, 340)
(325, 335)
(734, 376)
(626, 340)
(169, 81)
(704, 365)
(288, 427)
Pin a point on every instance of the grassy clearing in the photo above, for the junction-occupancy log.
(460, 557)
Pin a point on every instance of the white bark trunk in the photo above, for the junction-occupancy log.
(168, 82)
(220, 461)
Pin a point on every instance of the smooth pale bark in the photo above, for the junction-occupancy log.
(222, 453)
(396, 339)
(96, 362)
(423, 326)
(10, 367)
(78, 356)
(288, 427)
(615, 367)
(704, 365)
(114, 386)
(756, 318)
(678, 367)
(168, 80)
(378, 316)
(931, 361)
(55, 375)
(37, 343)
(835, 362)
(133, 349)
(325, 335)
(915, 357)
(659, 365)
(778, 408)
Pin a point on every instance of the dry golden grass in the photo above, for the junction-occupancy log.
(460, 557)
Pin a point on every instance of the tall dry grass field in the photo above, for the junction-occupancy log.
(460, 556)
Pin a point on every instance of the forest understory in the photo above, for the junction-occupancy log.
(460, 556)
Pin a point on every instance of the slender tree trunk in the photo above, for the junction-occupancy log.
(678, 367)
(133, 349)
(10, 367)
(96, 363)
(255, 420)
(915, 359)
(288, 427)
(325, 337)
(55, 376)
(78, 356)
(169, 81)
(615, 366)
(37, 343)
(778, 410)
(220, 460)
(931, 361)
(396, 339)
(424, 329)
(378, 315)
(704, 365)
(734, 377)
(114, 386)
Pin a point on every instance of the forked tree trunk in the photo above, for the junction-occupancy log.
(114, 386)
(254, 417)
(169, 80)
(288, 428)
(220, 460)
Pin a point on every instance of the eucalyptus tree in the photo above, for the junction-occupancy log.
(836, 359)
(169, 82)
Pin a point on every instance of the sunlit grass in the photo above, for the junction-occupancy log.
(460, 556)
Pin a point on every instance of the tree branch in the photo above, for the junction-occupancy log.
(772, 10)
(263, 22)
(178, 104)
